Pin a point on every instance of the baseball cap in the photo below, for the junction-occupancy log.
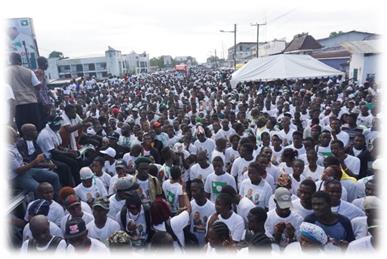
(86, 173)
(71, 200)
(371, 202)
(283, 198)
(120, 164)
(74, 228)
(142, 159)
(126, 184)
(39, 207)
(101, 202)
(109, 151)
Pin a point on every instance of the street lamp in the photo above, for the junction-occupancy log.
(234, 54)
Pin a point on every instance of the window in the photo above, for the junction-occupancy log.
(104, 74)
(91, 66)
(79, 68)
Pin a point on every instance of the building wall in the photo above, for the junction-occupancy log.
(337, 63)
(365, 65)
(371, 64)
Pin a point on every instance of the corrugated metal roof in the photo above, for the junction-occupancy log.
(365, 46)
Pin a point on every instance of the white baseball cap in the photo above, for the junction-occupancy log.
(86, 173)
(109, 151)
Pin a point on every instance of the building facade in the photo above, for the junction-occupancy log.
(113, 63)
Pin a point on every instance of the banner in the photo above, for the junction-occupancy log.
(21, 39)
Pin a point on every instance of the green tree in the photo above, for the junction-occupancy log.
(56, 54)
(334, 34)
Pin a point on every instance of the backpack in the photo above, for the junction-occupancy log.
(52, 246)
(190, 239)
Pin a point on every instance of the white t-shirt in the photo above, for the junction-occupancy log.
(235, 224)
(178, 222)
(202, 173)
(243, 208)
(273, 171)
(285, 169)
(95, 247)
(214, 184)
(102, 234)
(72, 122)
(115, 206)
(48, 140)
(299, 209)
(54, 230)
(258, 194)
(300, 151)
(55, 213)
(360, 227)
(359, 202)
(216, 153)
(348, 209)
(314, 175)
(110, 168)
(60, 249)
(105, 179)
(96, 190)
(172, 191)
(141, 231)
(353, 164)
(239, 166)
(208, 145)
(231, 154)
(286, 137)
(199, 218)
(361, 245)
(273, 219)
(343, 137)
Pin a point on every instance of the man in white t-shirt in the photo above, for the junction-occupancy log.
(282, 223)
(224, 213)
(42, 240)
(73, 206)
(240, 164)
(76, 235)
(203, 143)
(255, 187)
(90, 187)
(202, 209)
(173, 190)
(216, 180)
(367, 243)
(40, 207)
(46, 192)
(102, 226)
(303, 205)
(349, 164)
(202, 168)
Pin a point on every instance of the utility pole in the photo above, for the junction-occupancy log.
(258, 24)
(234, 54)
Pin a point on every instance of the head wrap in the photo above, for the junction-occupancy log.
(313, 233)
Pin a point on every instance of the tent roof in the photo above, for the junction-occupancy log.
(283, 66)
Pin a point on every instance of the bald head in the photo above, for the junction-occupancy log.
(39, 224)
(29, 131)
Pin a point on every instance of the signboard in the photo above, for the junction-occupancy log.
(21, 39)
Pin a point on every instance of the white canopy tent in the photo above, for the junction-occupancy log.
(283, 66)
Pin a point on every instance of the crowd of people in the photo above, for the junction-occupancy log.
(160, 162)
